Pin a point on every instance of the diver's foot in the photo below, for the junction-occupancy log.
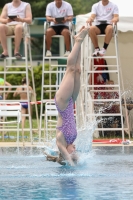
(82, 33)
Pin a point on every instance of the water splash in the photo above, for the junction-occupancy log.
(84, 138)
(85, 133)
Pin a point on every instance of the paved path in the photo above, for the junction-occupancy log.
(28, 144)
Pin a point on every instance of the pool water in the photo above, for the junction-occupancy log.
(106, 173)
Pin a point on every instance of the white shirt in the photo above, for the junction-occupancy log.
(19, 11)
(64, 11)
(104, 12)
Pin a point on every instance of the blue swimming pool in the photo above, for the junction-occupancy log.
(107, 175)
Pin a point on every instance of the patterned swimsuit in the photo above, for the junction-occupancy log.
(68, 127)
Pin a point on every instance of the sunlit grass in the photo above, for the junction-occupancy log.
(11, 136)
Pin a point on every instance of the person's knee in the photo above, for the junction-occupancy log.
(50, 32)
(71, 68)
(70, 65)
(2, 28)
(19, 28)
(65, 33)
(23, 118)
(92, 30)
(78, 70)
(109, 29)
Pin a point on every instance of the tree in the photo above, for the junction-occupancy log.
(39, 7)
(81, 6)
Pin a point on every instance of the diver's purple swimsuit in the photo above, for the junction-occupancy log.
(68, 127)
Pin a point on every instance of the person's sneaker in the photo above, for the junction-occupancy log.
(18, 55)
(66, 53)
(96, 52)
(48, 53)
(102, 52)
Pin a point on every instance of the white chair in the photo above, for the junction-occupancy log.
(61, 38)
(50, 111)
(12, 110)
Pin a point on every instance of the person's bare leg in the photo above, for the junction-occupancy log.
(76, 36)
(66, 34)
(67, 83)
(109, 33)
(3, 39)
(93, 32)
(77, 78)
(18, 37)
(23, 111)
(50, 32)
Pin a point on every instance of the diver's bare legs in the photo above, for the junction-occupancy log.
(77, 78)
(67, 86)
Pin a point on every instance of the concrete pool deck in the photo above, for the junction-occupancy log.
(28, 144)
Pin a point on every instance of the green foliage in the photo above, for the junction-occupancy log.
(11, 136)
(39, 7)
(37, 47)
(81, 6)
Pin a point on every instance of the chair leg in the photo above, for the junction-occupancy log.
(18, 135)
(46, 125)
(44, 46)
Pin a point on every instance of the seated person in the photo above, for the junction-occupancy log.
(57, 9)
(2, 83)
(14, 25)
(105, 13)
(22, 92)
